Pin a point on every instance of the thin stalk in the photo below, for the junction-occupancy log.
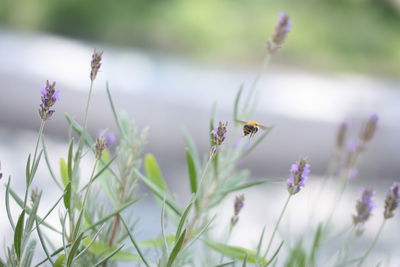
(33, 162)
(372, 244)
(78, 224)
(277, 225)
(257, 80)
(82, 136)
(227, 240)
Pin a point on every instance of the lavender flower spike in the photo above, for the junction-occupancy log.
(299, 174)
(369, 129)
(100, 146)
(364, 206)
(218, 136)
(281, 30)
(392, 200)
(49, 97)
(95, 64)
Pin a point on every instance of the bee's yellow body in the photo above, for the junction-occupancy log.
(251, 127)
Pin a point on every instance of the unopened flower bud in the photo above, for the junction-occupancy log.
(100, 146)
(218, 136)
(369, 129)
(95, 64)
(392, 200)
(281, 30)
(341, 135)
(237, 207)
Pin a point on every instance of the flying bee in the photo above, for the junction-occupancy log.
(251, 127)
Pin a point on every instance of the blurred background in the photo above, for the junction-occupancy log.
(168, 62)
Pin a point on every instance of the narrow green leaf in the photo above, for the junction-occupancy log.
(275, 254)
(28, 170)
(112, 214)
(41, 239)
(57, 251)
(32, 216)
(109, 256)
(99, 248)
(316, 243)
(78, 129)
(46, 157)
(260, 241)
(193, 149)
(157, 242)
(235, 252)
(183, 219)
(251, 184)
(113, 108)
(91, 242)
(28, 210)
(158, 192)
(35, 166)
(74, 249)
(8, 204)
(165, 248)
(201, 232)
(28, 254)
(192, 171)
(19, 229)
(134, 243)
(60, 260)
(50, 210)
(70, 159)
(67, 197)
(236, 105)
(176, 249)
(153, 172)
(64, 172)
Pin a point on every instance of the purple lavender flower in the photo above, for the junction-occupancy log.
(392, 200)
(49, 96)
(109, 137)
(364, 206)
(299, 174)
(281, 30)
(237, 207)
(218, 136)
(95, 64)
(369, 129)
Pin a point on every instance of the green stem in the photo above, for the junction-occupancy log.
(372, 244)
(33, 162)
(78, 224)
(83, 134)
(257, 80)
(277, 225)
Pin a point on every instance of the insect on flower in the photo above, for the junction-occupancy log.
(251, 127)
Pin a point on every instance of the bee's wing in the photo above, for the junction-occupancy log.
(241, 122)
(263, 127)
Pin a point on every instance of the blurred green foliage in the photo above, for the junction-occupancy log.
(352, 35)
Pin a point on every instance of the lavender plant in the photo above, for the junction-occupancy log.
(96, 230)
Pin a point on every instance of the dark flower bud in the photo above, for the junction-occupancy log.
(49, 96)
(95, 64)
(369, 129)
(237, 207)
(392, 200)
(299, 174)
(100, 146)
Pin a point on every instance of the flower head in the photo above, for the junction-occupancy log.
(364, 206)
(281, 30)
(341, 135)
(392, 200)
(49, 96)
(95, 64)
(109, 137)
(218, 135)
(237, 207)
(369, 129)
(100, 146)
(299, 174)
